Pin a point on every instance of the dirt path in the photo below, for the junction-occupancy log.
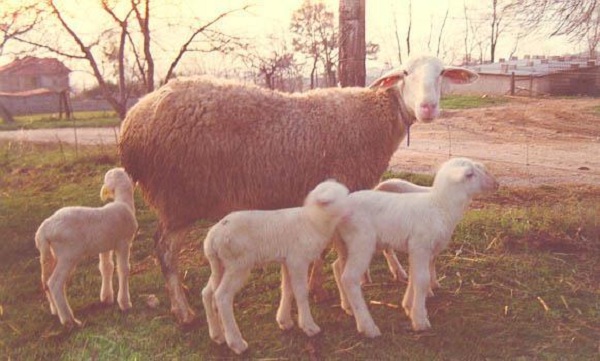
(525, 142)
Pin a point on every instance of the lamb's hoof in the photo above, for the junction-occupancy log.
(371, 332)
(125, 306)
(347, 309)
(430, 293)
(421, 326)
(218, 339)
(74, 323)
(185, 317)
(319, 295)
(285, 324)
(311, 330)
(401, 275)
(238, 346)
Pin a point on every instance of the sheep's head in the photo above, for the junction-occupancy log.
(329, 197)
(421, 84)
(470, 176)
(114, 179)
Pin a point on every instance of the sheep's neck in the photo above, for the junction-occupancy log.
(407, 118)
(323, 223)
(454, 206)
(126, 198)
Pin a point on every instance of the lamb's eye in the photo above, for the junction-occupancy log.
(470, 175)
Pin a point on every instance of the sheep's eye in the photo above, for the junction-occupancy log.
(442, 72)
(470, 175)
(405, 73)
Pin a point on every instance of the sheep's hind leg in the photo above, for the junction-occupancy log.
(57, 289)
(167, 249)
(123, 267)
(284, 312)
(107, 268)
(215, 328)
(232, 282)
(315, 284)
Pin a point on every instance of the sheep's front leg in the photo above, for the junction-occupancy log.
(232, 282)
(418, 287)
(57, 289)
(123, 268)
(167, 250)
(284, 312)
(360, 252)
(107, 268)
(298, 272)
(215, 329)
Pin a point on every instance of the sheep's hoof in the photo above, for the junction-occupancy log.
(125, 306)
(73, 323)
(421, 325)
(371, 332)
(285, 324)
(430, 293)
(218, 338)
(238, 346)
(319, 295)
(184, 316)
(311, 330)
(347, 309)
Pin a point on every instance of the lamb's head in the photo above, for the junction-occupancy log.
(115, 179)
(464, 176)
(420, 83)
(328, 199)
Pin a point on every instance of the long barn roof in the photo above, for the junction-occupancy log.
(30, 65)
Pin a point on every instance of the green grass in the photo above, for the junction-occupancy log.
(50, 120)
(519, 282)
(471, 101)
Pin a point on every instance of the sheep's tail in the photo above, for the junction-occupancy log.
(47, 261)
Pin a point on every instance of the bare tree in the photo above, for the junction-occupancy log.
(315, 35)
(437, 53)
(276, 68)
(352, 54)
(592, 37)
(570, 18)
(15, 22)
(124, 43)
(397, 37)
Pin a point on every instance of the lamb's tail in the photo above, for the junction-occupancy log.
(47, 261)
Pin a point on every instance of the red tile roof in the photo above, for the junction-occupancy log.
(30, 65)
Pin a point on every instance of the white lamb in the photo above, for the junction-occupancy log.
(293, 237)
(73, 233)
(419, 223)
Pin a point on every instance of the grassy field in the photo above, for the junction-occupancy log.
(471, 101)
(519, 282)
(50, 120)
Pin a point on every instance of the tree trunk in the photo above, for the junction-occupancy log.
(352, 68)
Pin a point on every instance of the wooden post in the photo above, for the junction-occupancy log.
(352, 56)
(512, 83)
(530, 85)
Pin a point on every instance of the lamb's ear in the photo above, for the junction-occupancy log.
(459, 75)
(388, 80)
(105, 193)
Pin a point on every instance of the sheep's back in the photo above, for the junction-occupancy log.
(202, 148)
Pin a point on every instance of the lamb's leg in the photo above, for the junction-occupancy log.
(419, 280)
(107, 268)
(167, 249)
(394, 265)
(315, 284)
(360, 252)
(123, 267)
(298, 273)
(57, 287)
(338, 269)
(284, 312)
(434, 281)
(48, 264)
(232, 282)
(215, 329)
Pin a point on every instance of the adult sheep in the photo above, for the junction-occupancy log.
(201, 148)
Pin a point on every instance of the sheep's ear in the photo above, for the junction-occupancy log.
(323, 201)
(388, 80)
(105, 193)
(458, 75)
